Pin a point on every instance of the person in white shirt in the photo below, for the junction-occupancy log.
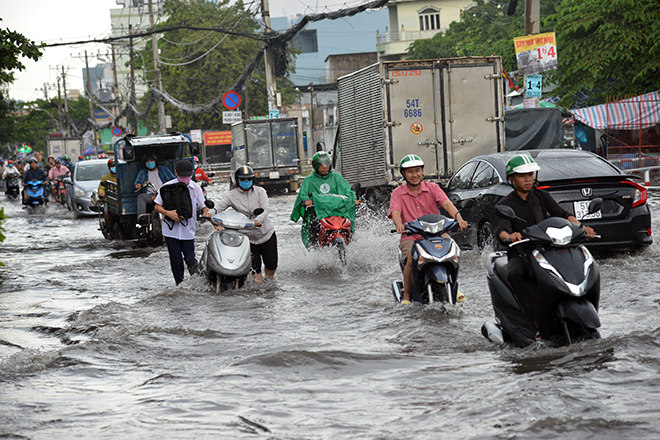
(180, 239)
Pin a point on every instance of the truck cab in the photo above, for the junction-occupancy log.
(130, 153)
(272, 148)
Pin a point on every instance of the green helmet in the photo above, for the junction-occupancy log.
(521, 164)
(322, 158)
(65, 157)
(409, 161)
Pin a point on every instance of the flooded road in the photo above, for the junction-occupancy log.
(96, 342)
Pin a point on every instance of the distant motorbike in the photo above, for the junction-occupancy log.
(60, 190)
(565, 273)
(227, 259)
(435, 261)
(36, 195)
(12, 190)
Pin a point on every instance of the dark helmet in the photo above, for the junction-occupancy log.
(243, 172)
(322, 158)
(58, 160)
(111, 163)
(32, 159)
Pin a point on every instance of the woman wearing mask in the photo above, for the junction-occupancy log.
(246, 198)
(151, 173)
(180, 239)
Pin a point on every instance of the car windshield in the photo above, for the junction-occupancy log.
(86, 172)
(557, 167)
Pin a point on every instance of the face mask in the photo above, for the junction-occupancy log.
(113, 170)
(10, 165)
(245, 184)
(151, 165)
(185, 180)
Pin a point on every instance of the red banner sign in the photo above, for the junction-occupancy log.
(217, 138)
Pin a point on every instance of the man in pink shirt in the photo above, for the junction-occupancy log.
(57, 171)
(409, 202)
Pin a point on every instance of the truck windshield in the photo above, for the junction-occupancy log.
(284, 140)
(94, 171)
(258, 145)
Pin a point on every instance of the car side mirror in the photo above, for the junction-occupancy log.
(194, 148)
(595, 205)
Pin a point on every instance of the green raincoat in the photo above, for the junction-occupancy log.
(332, 196)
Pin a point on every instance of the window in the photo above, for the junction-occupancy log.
(306, 41)
(429, 20)
(485, 176)
(461, 179)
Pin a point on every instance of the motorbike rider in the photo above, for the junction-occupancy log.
(50, 164)
(155, 174)
(531, 205)
(34, 173)
(10, 170)
(57, 171)
(322, 181)
(66, 161)
(245, 198)
(412, 200)
(200, 175)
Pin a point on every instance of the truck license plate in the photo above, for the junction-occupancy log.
(274, 175)
(581, 209)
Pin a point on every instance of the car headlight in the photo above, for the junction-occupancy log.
(79, 192)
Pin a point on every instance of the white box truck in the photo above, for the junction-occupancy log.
(447, 111)
(61, 146)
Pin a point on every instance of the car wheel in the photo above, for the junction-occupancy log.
(486, 236)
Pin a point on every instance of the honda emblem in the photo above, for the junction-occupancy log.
(586, 192)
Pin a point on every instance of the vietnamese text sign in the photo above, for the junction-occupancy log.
(231, 117)
(196, 135)
(536, 53)
(217, 138)
(534, 86)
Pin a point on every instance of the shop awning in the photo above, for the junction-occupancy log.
(629, 114)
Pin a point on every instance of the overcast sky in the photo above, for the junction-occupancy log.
(53, 21)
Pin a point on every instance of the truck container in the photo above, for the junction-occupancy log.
(446, 111)
(272, 147)
(61, 146)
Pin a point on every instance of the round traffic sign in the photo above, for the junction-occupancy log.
(231, 100)
(116, 131)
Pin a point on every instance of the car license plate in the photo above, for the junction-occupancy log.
(274, 175)
(581, 209)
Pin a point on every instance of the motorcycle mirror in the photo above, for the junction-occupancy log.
(209, 204)
(465, 204)
(67, 180)
(210, 174)
(595, 205)
(258, 211)
(356, 186)
(505, 212)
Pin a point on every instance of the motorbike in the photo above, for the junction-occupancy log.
(435, 261)
(566, 274)
(227, 259)
(12, 187)
(36, 195)
(60, 190)
(333, 230)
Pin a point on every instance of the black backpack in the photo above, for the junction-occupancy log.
(176, 196)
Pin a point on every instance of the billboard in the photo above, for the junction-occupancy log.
(536, 53)
(217, 138)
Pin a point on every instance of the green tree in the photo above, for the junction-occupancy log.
(199, 66)
(606, 48)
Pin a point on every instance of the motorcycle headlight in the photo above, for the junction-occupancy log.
(574, 289)
(560, 236)
(233, 240)
(453, 255)
(433, 228)
(79, 192)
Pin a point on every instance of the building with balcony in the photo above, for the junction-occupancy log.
(411, 20)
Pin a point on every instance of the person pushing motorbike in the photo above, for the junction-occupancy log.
(531, 205)
(412, 200)
(323, 181)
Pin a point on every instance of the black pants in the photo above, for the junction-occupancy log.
(176, 248)
(267, 252)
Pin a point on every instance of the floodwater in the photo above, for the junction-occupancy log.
(96, 342)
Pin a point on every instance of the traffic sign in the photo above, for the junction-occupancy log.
(116, 131)
(231, 117)
(231, 100)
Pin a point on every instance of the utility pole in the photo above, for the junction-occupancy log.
(271, 86)
(89, 97)
(311, 147)
(159, 84)
(133, 118)
(115, 88)
(532, 17)
(66, 105)
(59, 104)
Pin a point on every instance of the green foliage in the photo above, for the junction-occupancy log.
(606, 48)
(13, 46)
(209, 77)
